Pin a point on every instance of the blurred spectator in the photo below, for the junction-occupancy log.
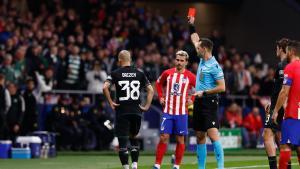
(20, 64)
(5, 104)
(59, 121)
(253, 123)
(7, 69)
(268, 83)
(52, 58)
(74, 70)
(61, 68)
(244, 78)
(96, 78)
(45, 83)
(233, 116)
(79, 130)
(101, 125)
(254, 96)
(30, 122)
(34, 60)
(15, 114)
(218, 41)
(165, 64)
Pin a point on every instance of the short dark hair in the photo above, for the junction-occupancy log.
(206, 43)
(282, 44)
(294, 45)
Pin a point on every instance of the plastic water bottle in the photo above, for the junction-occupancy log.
(47, 148)
(42, 152)
(45, 151)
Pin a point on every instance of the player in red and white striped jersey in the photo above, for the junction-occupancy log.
(177, 85)
(177, 82)
(290, 91)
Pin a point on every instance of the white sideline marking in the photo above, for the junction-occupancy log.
(252, 166)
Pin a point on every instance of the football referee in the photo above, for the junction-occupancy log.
(209, 82)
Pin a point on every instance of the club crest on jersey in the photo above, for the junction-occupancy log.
(184, 80)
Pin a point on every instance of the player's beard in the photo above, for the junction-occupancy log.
(289, 58)
(200, 55)
(179, 67)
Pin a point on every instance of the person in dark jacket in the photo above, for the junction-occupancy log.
(5, 103)
(31, 113)
(15, 114)
(100, 124)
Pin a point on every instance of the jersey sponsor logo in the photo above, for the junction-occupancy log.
(213, 123)
(176, 90)
(128, 74)
(181, 132)
(176, 87)
(109, 77)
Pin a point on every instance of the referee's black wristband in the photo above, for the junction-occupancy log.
(192, 28)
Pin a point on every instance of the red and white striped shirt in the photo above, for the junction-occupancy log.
(176, 93)
(292, 79)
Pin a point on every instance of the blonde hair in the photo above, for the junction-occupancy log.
(183, 53)
(125, 56)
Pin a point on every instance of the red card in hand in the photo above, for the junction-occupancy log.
(192, 12)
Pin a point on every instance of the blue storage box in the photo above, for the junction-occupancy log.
(5, 146)
(48, 138)
(33, 142)
(21, 153)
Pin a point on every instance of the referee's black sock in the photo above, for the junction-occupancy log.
(135, 149)
(272, 162)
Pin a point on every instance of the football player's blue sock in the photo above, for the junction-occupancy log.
(201, 155)
(219, 154)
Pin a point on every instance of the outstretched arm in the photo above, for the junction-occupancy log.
(194, 35)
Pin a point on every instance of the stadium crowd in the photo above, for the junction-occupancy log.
(58, 44)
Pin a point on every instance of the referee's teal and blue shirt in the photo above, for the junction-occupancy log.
(208, 73)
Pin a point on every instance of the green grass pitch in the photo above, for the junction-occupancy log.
(109, 160)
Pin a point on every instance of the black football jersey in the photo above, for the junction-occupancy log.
(129, 82)
(278, 80)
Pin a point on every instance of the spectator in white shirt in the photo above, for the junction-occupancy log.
(96, 78)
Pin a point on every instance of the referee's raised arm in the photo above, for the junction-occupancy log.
(194, 35)
(209, 83)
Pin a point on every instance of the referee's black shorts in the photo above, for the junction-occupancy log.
(205, 113)
(127, 125)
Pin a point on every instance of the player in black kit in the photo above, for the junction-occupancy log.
(129, 82)
(272, 131)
